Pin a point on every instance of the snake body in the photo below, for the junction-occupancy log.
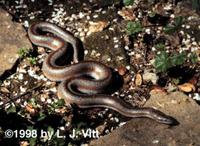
(83, 82)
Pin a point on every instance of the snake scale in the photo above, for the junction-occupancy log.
(82, 83)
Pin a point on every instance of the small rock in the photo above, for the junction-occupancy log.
(12, 38)
(146, 132)
(196, 96)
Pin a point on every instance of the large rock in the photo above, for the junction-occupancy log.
(12, 38)
(145, 132)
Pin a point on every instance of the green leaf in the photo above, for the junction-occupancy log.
(11, 109)
(133, 28)
(178, 59)
(32, 141)
(193, 58)
(128, 2)
(176, 81)
(32, 60)
(169, 29)
(58, 104)
(152, 14)
(179, 21)
(162, 62)
(160, 46)
(23, 52)
(50, 129)
(61, 102)
(32, 101)
(41, 116)
(196, 4)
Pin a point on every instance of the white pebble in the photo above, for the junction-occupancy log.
(155, 141)
(116, 119)
(81, 15)
(42, 99)
(128, 67)
(172, 16)
(88, 17)
(196, 96)
(85, 52)
(187, 26)
(49, 101)
(148, 31)
(26, 23)
(126, 48)
(103, 12)
(21, 76)
(153, 49)
(22, 89)
(122, 123)
(109, 59)
(116, 46)
(53, 89)
(96, 16)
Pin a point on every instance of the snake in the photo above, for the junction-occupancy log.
(83, 83)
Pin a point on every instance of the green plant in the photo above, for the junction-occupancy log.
(11, 109)
(23, 52)
(128, 2)
(32, 101)
(133, 28)
(152, 14)
(196, 4)
(58, 104)
(178, 59)
(164, 61)
(32, 60)
(171, 28)
(193, 58)
(160, 46)
(41, 116)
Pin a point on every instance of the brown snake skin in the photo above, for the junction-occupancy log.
(83, 82)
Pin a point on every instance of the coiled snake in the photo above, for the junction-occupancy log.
(83, 82)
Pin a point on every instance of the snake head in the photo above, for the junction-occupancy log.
(168, 120)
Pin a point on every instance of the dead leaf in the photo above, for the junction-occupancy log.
(24, 143)
(97, 26)
(101, 128)
(157, 89)
(127, 14)
(193, 80)
(4, 90)
(187, 87)
(41, 50)
(30, 109)
(138, 79)
(173, 39)
(122, 70)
